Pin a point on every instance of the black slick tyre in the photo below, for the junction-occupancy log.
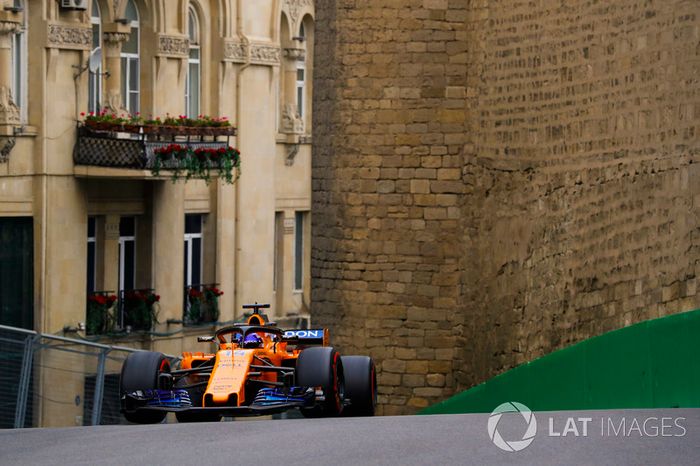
(140, 372)
(322, 367)
(360, 385)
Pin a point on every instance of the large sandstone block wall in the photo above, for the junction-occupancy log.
(389, 128)
(494, 180)
(581, 171)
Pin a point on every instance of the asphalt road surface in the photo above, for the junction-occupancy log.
(648, 437)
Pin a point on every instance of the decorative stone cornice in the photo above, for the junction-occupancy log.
(173, 46)
(115, 37)
(295, 53)
(9, 27)
(254, 53)
(264, 54)
(63, 36)
(9, 112)
(235, 51)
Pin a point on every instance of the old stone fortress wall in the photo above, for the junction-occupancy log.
(494, 180)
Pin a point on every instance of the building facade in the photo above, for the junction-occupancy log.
(495, 180)
(76, 223)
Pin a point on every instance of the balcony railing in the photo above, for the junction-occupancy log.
(201, 303)
(129, 310)
(123, 146)
(138, 309)
(100, 317)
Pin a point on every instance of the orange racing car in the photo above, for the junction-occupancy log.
(257, 369)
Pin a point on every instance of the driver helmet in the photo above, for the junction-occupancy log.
(252, 341)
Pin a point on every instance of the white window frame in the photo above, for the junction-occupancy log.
(299, 221)
(122, 255)
(301, 89)
(95, 79)
(19, 65)
(277, 248)
(93, 240)
(129, 60)
(189, 239)
(194, 45)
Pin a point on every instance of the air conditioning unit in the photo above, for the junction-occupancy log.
(74, 4)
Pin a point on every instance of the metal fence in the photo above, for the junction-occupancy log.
(50, 381)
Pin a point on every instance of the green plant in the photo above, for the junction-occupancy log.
(198, 163)
(104, 119)
(202, 305)
(100, 317)
(140, 309)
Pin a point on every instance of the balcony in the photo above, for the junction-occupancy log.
(133, 151)
(201, 304)
(130, 310)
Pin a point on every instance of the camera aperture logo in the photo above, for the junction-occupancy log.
(512, 445)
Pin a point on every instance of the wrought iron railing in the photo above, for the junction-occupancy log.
(129, 310)
(118, 149)
(201, 303)
(101, 317)
(138, 309)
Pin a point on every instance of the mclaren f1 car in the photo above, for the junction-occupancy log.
(257, 369)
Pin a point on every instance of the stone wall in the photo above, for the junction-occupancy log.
(496, 180)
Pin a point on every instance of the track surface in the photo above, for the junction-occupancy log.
(404, 440)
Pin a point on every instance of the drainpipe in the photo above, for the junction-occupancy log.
(244, 40)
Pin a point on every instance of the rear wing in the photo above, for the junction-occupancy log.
(307, 336)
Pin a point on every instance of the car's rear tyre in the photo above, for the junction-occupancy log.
(360, 385)
(322, 367)
(140, 372)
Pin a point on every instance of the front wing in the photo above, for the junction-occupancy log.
(268, 401)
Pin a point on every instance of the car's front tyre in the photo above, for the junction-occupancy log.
(140, 372)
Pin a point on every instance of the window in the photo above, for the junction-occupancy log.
(193, 249)
(300, 88)
(192, 82)
(95, 79)
(91, 255)
(127, 253)
(299, 250)
(19, 65)
(17, 272)
(301, 78)
(130, 61)
(278, 249)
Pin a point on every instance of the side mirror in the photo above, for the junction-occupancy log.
(205, 339)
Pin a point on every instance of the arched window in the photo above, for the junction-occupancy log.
(301, 76)
(19, 64)
(95, 80)
(130, 61)
(192, 82)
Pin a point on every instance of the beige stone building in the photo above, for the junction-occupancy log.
(75, 219)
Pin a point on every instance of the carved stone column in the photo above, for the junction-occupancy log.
(9, 113)
(113, 38)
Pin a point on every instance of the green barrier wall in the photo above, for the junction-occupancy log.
(653, 364)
